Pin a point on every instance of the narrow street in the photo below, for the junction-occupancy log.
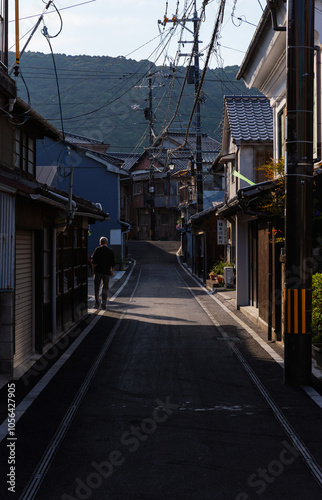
(167, 397)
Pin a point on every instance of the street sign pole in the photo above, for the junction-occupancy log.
(298, 194)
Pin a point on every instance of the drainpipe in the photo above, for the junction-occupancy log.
(6, 18)
(226, 183)
(17, 37)
(122, 236)
(205, 265)
(270, 280)
(53, 285)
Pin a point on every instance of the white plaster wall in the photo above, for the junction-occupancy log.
(267, 71)
(318, 20)
(246, 164)
(267, 53)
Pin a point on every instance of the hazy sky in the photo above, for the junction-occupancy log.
(120, 27)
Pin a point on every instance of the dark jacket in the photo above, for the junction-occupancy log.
(104, 259)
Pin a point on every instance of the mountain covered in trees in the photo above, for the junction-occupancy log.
(105, 97)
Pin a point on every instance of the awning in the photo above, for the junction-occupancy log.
(80, 206)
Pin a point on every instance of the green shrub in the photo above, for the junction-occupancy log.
(218, 266)
(317, 307)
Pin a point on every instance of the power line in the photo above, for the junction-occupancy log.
(230, 48)
(261, 6)
(126, 79)
(213, 39)
(109, 101)
(48, 37)
(52, 11)
(243, 19)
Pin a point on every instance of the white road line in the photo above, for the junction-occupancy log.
(40, 386)
(124, 284)
(308, 458)
(312, 393)
(38, 475)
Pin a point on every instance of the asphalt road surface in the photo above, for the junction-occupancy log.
(167, 397)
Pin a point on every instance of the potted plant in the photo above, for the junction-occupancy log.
(317, 317)
(218, 267)
(217, 270)
(213, 271)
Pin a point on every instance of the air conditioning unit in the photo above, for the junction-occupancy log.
(229, 276)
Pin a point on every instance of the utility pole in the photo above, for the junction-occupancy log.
(5, 21)
(148, 115)
(17, 64)
(299, 182)
(151, 180)
(196, 78)
(197, 114)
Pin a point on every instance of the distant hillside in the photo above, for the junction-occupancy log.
(104, 97)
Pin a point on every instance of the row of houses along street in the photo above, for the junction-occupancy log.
(48, 233)
(47, 236)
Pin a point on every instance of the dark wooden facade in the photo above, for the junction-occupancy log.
(265, 272)
(139, 202)
(45, 250)
(71, 276)
(205, 249)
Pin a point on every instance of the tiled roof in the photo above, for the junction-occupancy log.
(179, 166)
(180, 163)
(144, 176)
(250, 118)
(80, 139)
(209, 145)
(124, 160)
(209, 211)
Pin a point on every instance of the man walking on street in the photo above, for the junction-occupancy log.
(103, 263)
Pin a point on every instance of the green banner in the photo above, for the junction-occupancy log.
(237, 174)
